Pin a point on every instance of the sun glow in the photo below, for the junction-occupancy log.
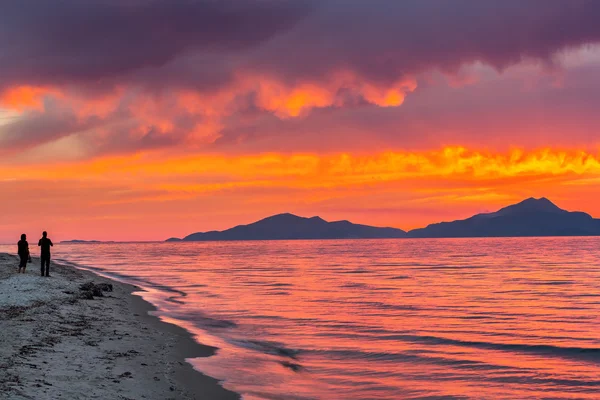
(405, 189)
(314, 170)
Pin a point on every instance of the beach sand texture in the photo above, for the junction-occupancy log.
(55, 345)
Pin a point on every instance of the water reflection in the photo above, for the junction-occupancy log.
(380, 319)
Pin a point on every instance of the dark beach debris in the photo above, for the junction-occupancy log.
(86, 286)
(126, 374)
(73, 328)
(105, 287)
(31, 349)
(113, 355)
(86, 295)
(293, 366)
(89, 290)
(12, 312)
(9, 383)
(16, 311)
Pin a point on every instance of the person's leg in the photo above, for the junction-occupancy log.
(42, 260)
(48, 266)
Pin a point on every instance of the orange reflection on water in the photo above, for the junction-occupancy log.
(381, 319)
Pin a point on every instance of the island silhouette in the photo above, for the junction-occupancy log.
(531, 217)
(289, 227)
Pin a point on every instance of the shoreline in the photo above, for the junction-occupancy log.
(57, 345)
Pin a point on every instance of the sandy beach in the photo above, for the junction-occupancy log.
(55, 344)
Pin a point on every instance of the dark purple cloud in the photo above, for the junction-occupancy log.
(200, 41)
(383, 40)
(73, 41)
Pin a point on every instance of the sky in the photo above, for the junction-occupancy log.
(148, 119)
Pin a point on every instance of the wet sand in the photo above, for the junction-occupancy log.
(54, 344)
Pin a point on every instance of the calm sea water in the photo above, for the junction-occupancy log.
(379, 319)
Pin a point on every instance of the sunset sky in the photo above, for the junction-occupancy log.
(146, 119)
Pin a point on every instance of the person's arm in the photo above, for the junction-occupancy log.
(51, 244)
(40, 242)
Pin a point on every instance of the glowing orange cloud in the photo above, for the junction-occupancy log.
(284, 100)
(291, 101)
(155, 118)
(312, 170)
(21, 98)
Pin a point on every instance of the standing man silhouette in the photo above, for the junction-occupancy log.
(45, 244)
(23, 248)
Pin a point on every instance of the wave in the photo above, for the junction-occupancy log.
(494, 372)
(578, 353)
(170, 295)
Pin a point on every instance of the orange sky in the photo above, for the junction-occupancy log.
(150, 197)
(392, 116)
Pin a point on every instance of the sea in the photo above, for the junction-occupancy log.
(506, 318)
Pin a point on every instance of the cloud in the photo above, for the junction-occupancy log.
(383, 40)
(83, 42)
(132, 75)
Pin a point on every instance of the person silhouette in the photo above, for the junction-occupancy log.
(45, 243)
(23, 251)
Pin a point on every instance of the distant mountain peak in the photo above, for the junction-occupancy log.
(532, 205)
(282, 216)
(287, 217)
(530, 217)
(541, 200)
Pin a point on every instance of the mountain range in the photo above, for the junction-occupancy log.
(531, 217)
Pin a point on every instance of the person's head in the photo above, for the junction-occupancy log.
(44, 234)
(23, 237)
